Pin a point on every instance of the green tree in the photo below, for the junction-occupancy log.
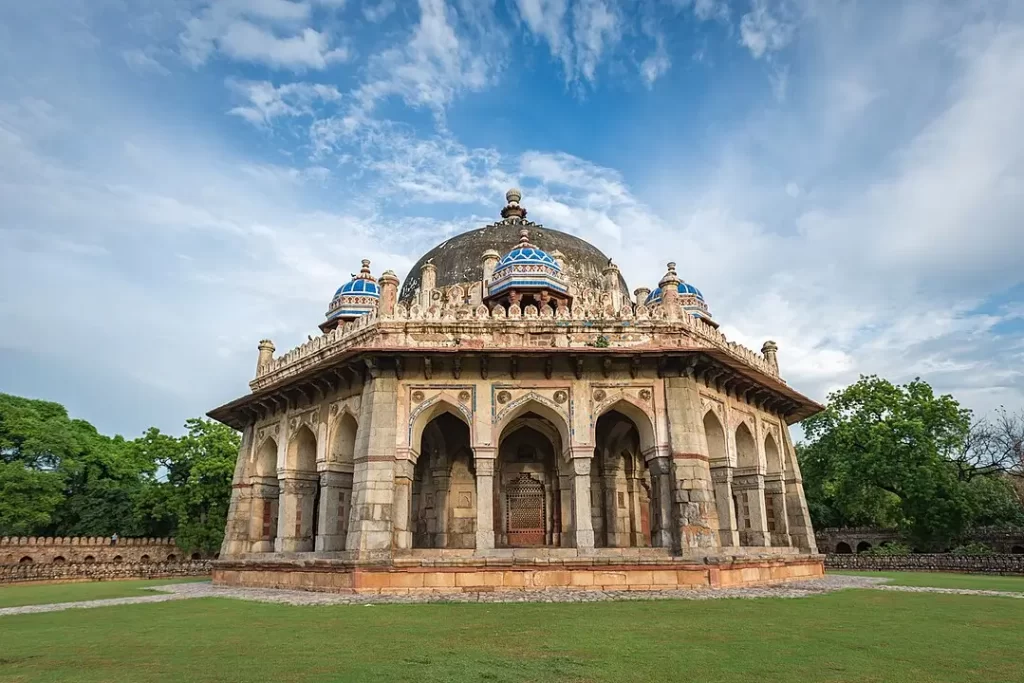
(889, 456)
(28, 498)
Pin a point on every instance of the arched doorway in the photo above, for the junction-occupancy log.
(265, 497)
(774, 494)
(863, 547)
(721, 478)
(1017, 550)
(532, 479)
(843, 548)
(747, 489)
(621, 491)
(443, 506)
(300, 494)
(335, 503)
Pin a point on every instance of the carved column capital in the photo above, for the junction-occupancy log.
(581, 466)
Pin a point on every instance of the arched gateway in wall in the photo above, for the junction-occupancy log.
(515, 418)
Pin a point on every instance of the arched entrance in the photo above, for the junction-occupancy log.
(863, 547)
(748, 490)
(621, 490)
(843, 548)
(265, 498)
(335, 501)
(443, 505)
(774, 494)
(532, 479)
(721, 478)
(300, 494)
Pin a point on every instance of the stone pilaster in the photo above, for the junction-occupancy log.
(583, 526)
(405, 472)
(695, 517)
(442, 485)
(373, 482)
(263, 518)
(611, 509)
(748, 490)
(295, 533)
(236, 533)
(728, 532)
(798, 516)
(661, 492)
(335, 500)
(484, 465)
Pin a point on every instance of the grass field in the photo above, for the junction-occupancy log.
(17, 596)
(855, 635)
(986, 582)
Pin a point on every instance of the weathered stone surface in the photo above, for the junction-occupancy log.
(974, 564)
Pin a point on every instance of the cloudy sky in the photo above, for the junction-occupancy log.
(179, 178)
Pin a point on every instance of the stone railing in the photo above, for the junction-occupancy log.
(586, 316)
(974, 564)
(98, 549)
(101, 571)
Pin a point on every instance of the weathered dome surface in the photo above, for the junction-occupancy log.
(459, 259)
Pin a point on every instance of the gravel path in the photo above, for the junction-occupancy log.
(796, 589)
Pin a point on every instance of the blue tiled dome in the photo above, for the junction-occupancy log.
(356, 297)
(527, 267)
(684, 289)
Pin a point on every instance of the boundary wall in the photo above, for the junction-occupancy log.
(973, 564)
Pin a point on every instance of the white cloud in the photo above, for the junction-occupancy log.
(142, 63)
(762, 31)
(376, 13)
(655, 66)
(265, 101)
(271, 32)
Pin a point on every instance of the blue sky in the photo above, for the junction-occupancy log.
(180, 178)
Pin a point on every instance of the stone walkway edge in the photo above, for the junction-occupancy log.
(795, 589)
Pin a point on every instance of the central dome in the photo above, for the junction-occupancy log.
(459, 259)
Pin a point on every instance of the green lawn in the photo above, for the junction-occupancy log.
(16, 596)
(986, 582)
(845, 636)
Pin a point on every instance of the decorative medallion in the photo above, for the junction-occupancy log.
(561, 396)
(334, 409)
(293, 423)
(277, 428)
(645, 394)
(504, 397)
(464, 396)
(599, 395)
(417, 396)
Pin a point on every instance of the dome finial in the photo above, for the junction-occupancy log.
(524, 237)
(512, 209)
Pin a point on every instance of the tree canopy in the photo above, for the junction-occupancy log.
(61, 477)
(901, 457)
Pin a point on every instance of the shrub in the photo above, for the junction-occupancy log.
(972, 548)
(894, 548)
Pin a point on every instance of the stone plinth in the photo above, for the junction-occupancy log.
(458, 574)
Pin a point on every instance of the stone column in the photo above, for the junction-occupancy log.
(661, 491)
(264, 514)
(388, 293)
(295, 532)
(484, 464)
(774, 490)
(442, 484)
(373, 481)
(728, 533)
(748, 487)
(428, 282)
(583, 526)
(611, 510)
(405, 472)
(610, 284)
(335, 489)
(797, 515)
(237, 539)
(695, 517)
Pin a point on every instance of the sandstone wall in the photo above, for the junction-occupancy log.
(974, 564)
(88, 549)
(103, 571)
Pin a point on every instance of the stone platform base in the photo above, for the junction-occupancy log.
(441, 574)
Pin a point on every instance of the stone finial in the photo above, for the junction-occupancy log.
(770, 352)
(512, 208)
(267, 349)
(669, 277)
(388, 292)
(490, 261)
(641, 294)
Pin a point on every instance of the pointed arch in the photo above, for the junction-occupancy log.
(772, 455)
(714, 432)
(636, 413)
(302, 450)
(266, 458)
(343, 438)
(539, 405)
(424, 414)
(746, 447)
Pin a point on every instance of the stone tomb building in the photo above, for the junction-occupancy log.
(513, 418)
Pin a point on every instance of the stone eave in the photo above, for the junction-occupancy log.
(709, 364)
